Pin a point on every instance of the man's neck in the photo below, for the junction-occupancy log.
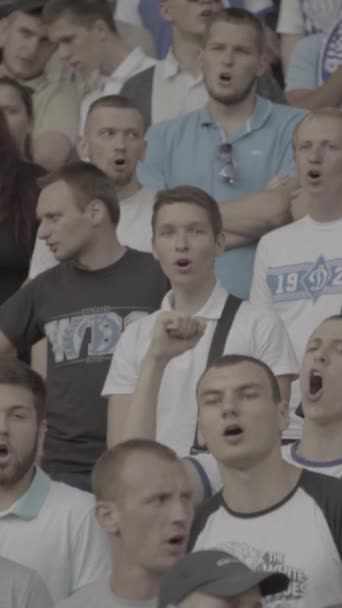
(321, 443)
(128, 190)
(114, 53)
(187, 51)
(105, 252)
(325, 208)
(191, 298)
(10, 495)
(130, 581)
(259, 487)
(231, 117)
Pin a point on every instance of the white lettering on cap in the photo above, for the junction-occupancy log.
(226, 560)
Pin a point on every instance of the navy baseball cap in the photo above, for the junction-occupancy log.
(215, 573)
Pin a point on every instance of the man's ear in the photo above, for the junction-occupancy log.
(96, 211)
(108, 516)
(164, 9)
(40, 444)
(83, 148)
(220, 243)
(283, 416)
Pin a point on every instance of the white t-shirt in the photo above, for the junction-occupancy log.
(254, 332)
(300, 536)
(21, 587)
(291, 455)
(100, 595)
(53, 530)
(298, 274)
(134, 230)
(135, 62)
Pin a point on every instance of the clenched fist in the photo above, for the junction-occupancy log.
(175, 333)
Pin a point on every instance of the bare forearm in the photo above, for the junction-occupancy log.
(234, 240)
(141, 420)
(329, 94)
(254, 215)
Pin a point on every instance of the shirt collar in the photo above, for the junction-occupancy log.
(211, 310)
(129, 65)
(261, 113)
(170, 67)
(29, 505)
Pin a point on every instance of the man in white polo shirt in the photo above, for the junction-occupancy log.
(158, 361)
(47, 526)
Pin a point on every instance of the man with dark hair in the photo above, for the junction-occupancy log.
(269, 514)
(81, 306)
(44, 525)
(86, 38)
(26, 51)
(114, 142)
(231, 148)
(152, 380)
(144, 503)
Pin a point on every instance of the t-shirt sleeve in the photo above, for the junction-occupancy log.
(18, 317)
(326, 491)
(290, 19)
(151, 172)
(91, 552)
(123, 373)
(38, 595)
(42, 259)
(60, 113)
(208, 471)
(302, 70)
(272, 344)
(260, 293)
(285, 160)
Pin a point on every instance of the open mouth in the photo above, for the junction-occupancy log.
(314, 174)
(4, 453)
(120, 163)
(183, 263)
(206, 13)
(315, 384)
(233, 430)
(225, 78)
(176, 542)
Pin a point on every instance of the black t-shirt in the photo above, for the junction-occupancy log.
(15, 256)
(82, 314)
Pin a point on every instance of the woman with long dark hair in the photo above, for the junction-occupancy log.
(19, 192)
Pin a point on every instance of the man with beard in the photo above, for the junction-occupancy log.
(233, 147)
(114, 142)
(45, 525)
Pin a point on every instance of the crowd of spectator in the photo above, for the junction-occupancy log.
(170, 303)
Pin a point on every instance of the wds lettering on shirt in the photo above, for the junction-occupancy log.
(305, 281)
(84, 336)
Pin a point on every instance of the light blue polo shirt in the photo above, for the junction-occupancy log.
(29, 505)
(303, 68)
(184, 151)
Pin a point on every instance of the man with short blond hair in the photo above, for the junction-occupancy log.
(144, 502)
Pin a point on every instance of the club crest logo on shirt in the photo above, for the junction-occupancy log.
(306, 281)
(331, 53)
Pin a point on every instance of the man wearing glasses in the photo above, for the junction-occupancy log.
(233, 147)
